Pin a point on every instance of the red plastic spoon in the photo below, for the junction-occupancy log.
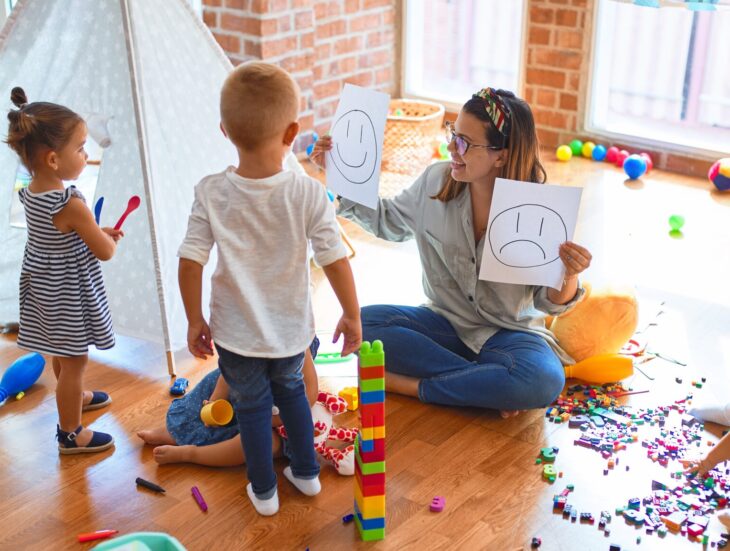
(134, 202)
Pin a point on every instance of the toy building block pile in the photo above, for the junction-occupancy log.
(370, 444)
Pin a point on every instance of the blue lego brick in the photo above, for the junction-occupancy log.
(372, 397)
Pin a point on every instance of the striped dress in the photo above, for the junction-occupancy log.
(63, 304)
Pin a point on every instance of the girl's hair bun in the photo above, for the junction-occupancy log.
(18, 97)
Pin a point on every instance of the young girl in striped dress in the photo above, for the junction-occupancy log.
(63, 305)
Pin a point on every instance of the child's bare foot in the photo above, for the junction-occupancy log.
(507, 413)
(156, 437)
(172, 454)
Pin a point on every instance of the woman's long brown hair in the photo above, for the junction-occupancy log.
(523, 148)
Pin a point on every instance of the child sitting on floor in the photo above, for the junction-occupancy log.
(186, 439)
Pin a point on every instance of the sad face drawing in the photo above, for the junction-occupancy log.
(527, 236)
(355, 151)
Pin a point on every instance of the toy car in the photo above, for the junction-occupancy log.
(179, 386)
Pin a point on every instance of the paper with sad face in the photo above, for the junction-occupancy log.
(353, 165)
(527, 224)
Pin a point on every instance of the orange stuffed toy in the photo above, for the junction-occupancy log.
(601, 323)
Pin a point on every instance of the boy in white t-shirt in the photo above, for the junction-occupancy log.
(262, 218)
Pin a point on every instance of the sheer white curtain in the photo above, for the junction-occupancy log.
(453, 49)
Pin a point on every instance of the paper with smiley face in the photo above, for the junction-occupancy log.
(527, 224)
(353, 164)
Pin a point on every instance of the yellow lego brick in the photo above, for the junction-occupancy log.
(372, 433)
(370, 507)
(349, 394)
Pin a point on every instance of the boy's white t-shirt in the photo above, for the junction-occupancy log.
(260, 302)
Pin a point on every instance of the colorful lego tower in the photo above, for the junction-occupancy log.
(370, 444)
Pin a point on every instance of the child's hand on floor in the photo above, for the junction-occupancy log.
(351, 329)
(699, 467)
(318, 155)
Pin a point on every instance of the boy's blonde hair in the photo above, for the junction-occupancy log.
(258, 101)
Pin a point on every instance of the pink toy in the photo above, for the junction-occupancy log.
(437, 504)
(621, 157)
(649, 162)
(611, 154)
(323, 412)
(134, 202)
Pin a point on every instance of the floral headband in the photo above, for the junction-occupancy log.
(496, 109)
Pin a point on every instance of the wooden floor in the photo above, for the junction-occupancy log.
(483, 466)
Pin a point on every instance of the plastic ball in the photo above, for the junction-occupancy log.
(611, 154)
(719, 174)
(649, 162)
(443, 152)
(587, 149)
(599, 153)
(621, 157)
(676, 221)
(576, 146)
(635, 166)
(564, 153)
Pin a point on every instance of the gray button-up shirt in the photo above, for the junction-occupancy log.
(450, 259)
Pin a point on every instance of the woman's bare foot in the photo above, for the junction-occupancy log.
(507, 413)
(401, 384)
(156, 437)
(172, 454)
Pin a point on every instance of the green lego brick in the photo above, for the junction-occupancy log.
(376, 467)
(372, 356)
(368, 385)
(369, 535)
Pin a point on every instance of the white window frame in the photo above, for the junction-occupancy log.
(611, 136)
(450, 105)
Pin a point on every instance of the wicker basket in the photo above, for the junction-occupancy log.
(411, 135)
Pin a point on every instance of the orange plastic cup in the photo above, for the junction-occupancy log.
(217, 413)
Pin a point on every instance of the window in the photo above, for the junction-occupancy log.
(454, 48)
(660, 75)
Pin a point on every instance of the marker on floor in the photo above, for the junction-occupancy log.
(199, 499)
(149, 485)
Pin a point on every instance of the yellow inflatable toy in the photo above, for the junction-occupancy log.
(594, 331)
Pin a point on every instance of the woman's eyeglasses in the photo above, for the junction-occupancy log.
(462, 144)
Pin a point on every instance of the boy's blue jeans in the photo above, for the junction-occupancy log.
(256, 384)
(514, 369)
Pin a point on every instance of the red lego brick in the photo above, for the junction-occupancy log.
(378, 453)
(372, 372)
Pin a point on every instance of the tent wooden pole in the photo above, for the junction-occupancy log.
(171, 364)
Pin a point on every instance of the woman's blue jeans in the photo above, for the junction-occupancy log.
(514, 369)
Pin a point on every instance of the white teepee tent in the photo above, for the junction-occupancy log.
(152, 67)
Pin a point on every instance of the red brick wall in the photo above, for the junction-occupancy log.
(557, 58)
(322, 43)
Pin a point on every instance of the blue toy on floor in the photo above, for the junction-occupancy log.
(21, 375)
(179, 386)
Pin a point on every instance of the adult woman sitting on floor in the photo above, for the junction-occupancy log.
(475, 343)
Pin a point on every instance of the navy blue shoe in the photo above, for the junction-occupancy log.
(99, 442)
(98, 400)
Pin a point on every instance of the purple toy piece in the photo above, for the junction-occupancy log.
(437, 504)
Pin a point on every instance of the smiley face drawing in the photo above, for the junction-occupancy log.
(355, 151)
(527, 236)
